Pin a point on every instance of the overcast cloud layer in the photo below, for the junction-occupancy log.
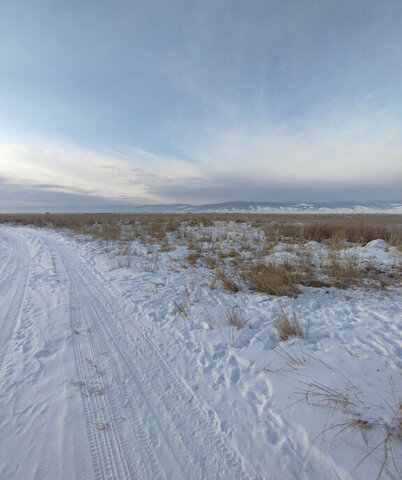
(172, 101)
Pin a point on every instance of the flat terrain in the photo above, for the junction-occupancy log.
(63, 329)
(132, 360)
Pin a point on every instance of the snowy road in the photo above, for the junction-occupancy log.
(82, 398)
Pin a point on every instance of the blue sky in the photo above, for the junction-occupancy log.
(181, 101)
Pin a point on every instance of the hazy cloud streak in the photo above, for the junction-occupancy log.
(151, 101)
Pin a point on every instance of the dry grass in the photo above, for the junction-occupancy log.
(348, 403)
(293, 357)
(237, 246)
(356, 228)
(77, 383)
(229, 319)
(107, 232)
(226, 280)
(273, 278)
(234, 317)
(101, 427)
(96, 391)
(181, 310)
(289, 325)
(343, 270)
(193, 257)
(209, 261)
(320, 395)
(296, 228)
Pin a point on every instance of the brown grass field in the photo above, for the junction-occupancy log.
(238, 246)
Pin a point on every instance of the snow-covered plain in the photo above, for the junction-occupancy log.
(116, 373)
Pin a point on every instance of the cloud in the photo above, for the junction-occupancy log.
(42, 198)
(237, 188)
(354, 152)
(200, 103)
(69, 169)
(352, 161)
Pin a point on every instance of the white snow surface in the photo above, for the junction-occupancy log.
(102, 378)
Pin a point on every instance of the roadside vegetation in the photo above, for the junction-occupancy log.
(272, 254)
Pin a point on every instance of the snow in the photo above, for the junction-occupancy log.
(133, 372)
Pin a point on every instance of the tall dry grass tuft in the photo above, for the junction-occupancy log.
(226, 281)
(107, 231)
(289, 325)
(234, 317)
(229, 319)
(273, 277)
(343, 268)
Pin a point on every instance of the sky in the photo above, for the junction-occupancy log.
(119, 102)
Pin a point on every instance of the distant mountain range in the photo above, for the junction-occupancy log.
(244, 207)
(272, 207)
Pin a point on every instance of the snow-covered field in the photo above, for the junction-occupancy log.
(132, 363)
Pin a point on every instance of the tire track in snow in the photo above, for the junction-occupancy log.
(109, 461)
(191, 444)
(7, 258)
(13, 287)
(111, 447)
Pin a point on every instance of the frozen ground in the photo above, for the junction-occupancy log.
(116, 373)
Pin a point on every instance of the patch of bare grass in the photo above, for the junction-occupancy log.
(209, 261)
(289, 325)
(273, 277)
(226, 280)
(343, 268)
(106, 231)
(229, 319)
(193, 257)
(234, 317)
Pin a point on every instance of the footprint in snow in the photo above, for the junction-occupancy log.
(227, 428)
(220, 382)
(220, 351)
(257, 401)
(273, 428)
(235, 375)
